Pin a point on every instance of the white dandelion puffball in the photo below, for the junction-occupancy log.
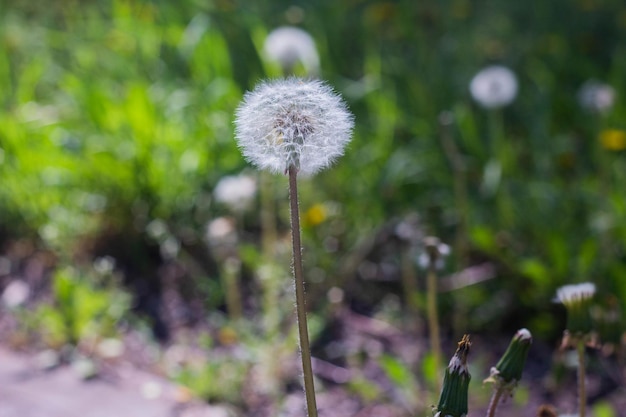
(289, 45)
(596, 97)
(236, 191)
(293, 122)
(494, 86)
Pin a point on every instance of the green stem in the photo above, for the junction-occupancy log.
(230, 273)
(298, 273)
(461, 198)
(433, 322)
(493, 403)
(582, 393)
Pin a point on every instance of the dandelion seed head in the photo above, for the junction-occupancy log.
(596, 97)
(293, 122)
(435, 252)
(494, 86)
(236, 191)
(290, 45)
(221, 230)
(15, 294)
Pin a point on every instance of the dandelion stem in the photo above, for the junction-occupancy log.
(433, 322)
(495, 399)
(305, 350)
(460, 188)
(582, 394)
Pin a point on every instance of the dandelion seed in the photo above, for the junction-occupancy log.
(494, 86)
(293, 122)
(289, 46)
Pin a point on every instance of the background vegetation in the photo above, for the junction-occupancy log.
(116, 127)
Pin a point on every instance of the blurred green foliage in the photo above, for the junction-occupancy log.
(83, 311)
(117, 113)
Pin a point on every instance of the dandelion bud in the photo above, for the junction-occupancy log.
(577, 301)
(509, 368)
(293, 123)
(453, 399)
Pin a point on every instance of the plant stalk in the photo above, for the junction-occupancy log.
(433, 322)
(461, 198)
(298, 273)
(495, 399)
(582, 393)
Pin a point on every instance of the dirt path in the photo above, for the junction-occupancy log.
(28, 392)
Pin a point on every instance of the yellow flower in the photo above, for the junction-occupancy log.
(227, 336)
(613, 139)
(315, 215)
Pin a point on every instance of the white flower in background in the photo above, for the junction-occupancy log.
(434, 251)
(15, 294)
(494, 86)
(293, 122)
(577, 300)
(575, 294)
(104, 265)
(597, 97)
(221, 231)
(290, 45)
(236, 191)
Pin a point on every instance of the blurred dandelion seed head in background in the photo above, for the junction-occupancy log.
(293, 122)
(15, 294)
(236, 191)
(289, 46)
(494, 86)
(596, 97)
(434, 251)
(221, 231)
